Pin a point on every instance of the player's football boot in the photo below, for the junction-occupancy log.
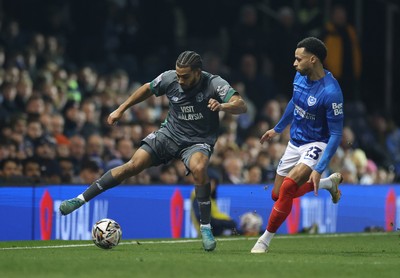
(209, 242)
(259, 247)
(70, 205)
(336, 179)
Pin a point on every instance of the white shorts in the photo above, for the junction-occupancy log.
(308, 154)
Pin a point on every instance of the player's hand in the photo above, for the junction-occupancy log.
(268, 135)
(114, 117)
(214, 105)
(315, 177)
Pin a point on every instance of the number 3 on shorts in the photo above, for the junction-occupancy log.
(313, 152)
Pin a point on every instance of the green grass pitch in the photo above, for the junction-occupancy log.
(331, 255)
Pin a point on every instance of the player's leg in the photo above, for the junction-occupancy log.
(283, 206)
(277, 186)
(196, 159)
(140, 160)
(286, 164)
(283, 185)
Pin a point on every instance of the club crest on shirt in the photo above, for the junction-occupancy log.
(199, 97)
(311, 101)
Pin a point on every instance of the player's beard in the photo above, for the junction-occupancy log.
(303, 72)
(190, 85)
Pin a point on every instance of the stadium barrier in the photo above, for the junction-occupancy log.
(163, 211)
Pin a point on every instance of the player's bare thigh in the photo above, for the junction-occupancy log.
(300, 173)
(140, 160)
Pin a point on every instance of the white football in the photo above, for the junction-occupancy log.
(106, 233)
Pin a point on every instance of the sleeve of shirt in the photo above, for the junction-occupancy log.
(335, 124)
(158, 85)
(287, 117)
(222, 89)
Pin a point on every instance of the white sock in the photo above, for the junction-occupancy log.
(206, 225)
(80, 196)
(325, 183)
(267, 237)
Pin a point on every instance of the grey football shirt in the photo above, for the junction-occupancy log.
(189, 120)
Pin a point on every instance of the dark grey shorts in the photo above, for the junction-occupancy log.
(163, 149)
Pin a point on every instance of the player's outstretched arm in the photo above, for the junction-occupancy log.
(141, 94)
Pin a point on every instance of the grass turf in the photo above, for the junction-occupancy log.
(336, 255)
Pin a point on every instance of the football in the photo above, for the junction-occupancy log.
(106, 233)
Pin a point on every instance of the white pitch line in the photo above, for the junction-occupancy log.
(139, 242)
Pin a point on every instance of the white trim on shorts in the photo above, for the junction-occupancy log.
(308, 154)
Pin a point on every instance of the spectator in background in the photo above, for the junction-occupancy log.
(95, 149)
(24, 88)
(263, 160)
(8, 108)
(74, 119)
(168, 175)
(370, 175)
(35, 107)
(10, 171)
(7, 148)
(244, 121)
(247, 36)
(378, 151)
(91, 115)
(32, 170)
(259, 87)
(360, 160)
(271, 112)
(233, 169)
(214, 64)
(253, 174)
(56, 128)
(67, 174)
(34, 132)
(344, 59)
(77, 148)
(89, 172)
(286, 32)
(45, 152)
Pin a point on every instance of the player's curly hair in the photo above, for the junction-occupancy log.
(314, 46)
(189, 59)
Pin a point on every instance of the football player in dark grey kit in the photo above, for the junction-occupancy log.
(189, 132)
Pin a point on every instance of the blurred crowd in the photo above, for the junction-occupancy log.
(61, 77)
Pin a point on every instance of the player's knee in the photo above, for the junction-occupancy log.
(199, 171)
(132, 167)
(289, 187)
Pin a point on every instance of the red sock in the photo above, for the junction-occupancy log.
(305, 188)
(283, 205)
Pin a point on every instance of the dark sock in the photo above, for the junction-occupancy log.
(107, 181)
(203, 198)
